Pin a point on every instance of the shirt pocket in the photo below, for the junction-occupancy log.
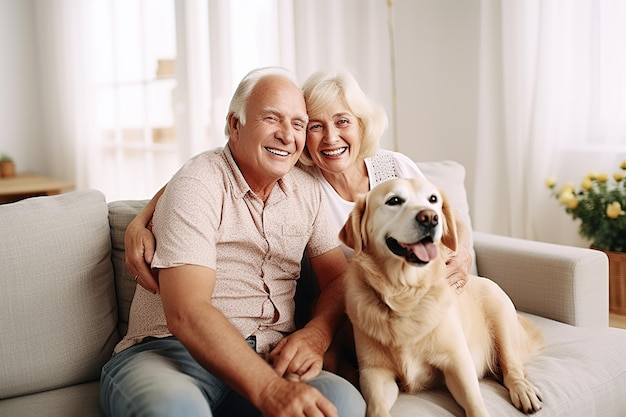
(293, 240)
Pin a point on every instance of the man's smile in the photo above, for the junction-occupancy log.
(277, 151)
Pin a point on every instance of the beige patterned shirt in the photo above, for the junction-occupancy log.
(208, 216)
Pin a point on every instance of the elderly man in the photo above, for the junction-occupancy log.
(231, 228)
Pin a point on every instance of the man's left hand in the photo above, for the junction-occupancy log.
(301, 354)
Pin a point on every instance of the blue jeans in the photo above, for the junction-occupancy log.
(158, 377)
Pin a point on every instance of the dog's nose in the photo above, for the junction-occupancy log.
(428, 218)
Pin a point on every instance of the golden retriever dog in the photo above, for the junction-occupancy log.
(412, 330)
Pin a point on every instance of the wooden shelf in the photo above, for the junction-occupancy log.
(30, 185)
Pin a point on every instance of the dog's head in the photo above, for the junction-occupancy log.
(405, 218)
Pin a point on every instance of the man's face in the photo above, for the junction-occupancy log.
(271, 141)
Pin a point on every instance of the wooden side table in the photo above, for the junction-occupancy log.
(30, 185)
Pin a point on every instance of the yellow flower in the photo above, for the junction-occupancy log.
(567, 198)
(614, 210)
(568, 187)
(550, 182)
(599, 204)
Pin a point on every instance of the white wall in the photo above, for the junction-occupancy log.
(437, 68)
(20, 134)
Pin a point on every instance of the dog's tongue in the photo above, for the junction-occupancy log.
(425, 251)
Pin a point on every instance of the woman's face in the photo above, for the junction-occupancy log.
(333, 137)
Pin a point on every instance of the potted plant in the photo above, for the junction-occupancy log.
(599, 203)
(7, 166)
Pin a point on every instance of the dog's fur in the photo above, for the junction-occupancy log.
(412, 330)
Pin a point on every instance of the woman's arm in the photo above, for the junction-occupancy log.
(139, 246)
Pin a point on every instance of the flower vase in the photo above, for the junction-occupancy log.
(617, 281)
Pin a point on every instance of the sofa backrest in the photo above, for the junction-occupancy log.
(58, 313)
(449, 176)
(120, 214)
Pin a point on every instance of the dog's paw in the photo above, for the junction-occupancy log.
(525, 396)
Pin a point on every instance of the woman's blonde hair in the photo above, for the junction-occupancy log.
(321, 89)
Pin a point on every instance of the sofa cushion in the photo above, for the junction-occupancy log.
(577, 373)
(74, 401)
(449, 176)
(58, 307)
(120, 214)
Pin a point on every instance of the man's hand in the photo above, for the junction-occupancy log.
(299, 354)
(285, 398)
(139, 247)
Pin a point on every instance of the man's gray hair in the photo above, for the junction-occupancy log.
(237, 107)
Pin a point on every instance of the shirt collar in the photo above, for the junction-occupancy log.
(286, 184)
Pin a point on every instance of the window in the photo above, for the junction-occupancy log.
(148, 97)
(134, 87)
(156, 99)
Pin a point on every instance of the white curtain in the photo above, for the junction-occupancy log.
(63, 67)
(552, 103)
(352, 35)
(302, 35)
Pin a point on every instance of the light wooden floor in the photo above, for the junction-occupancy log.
(617, 320)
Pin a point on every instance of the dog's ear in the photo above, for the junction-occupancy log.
(449, 237)
(350, 233)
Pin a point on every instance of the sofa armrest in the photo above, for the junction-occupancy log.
(563, 283)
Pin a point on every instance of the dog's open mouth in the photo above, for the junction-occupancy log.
(419, 253)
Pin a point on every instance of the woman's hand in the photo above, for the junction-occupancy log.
(139, 247)
(459, 262)
(139, 244)
(458, 265)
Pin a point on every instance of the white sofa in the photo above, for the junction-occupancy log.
(65, 296)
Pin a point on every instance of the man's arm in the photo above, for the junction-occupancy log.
(302, 353)
(139, 246)
(212, 340)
